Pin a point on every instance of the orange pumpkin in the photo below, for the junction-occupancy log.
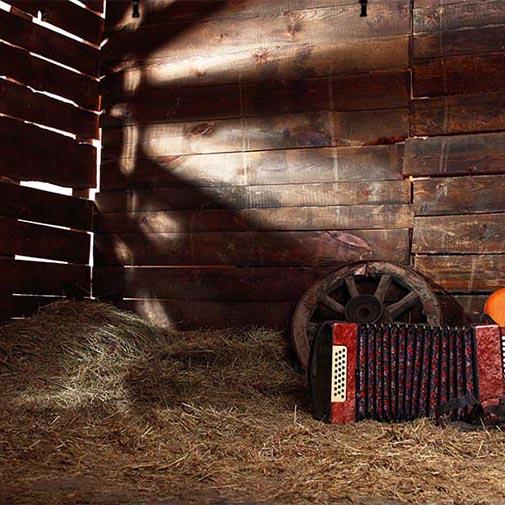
(495, 306)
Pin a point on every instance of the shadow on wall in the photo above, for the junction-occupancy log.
(156, 126)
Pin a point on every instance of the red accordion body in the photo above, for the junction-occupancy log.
(403, 372)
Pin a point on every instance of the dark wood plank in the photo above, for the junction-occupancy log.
(266, 196)
(473, 233)
(461, 307)
(452, 43)
(42, 75)
(317, 248)
(458, 195)
(211, 284)
(458, 114)
(65, 15)
(146, 104)
(45, 156)
(454, 75)
(261, 167)
(32, 37)
(42, 206)
(23, 306)
(95, 5)
(284, 61)
(437, 3)
(466, 273)
(458, 16)
(218, 315)
(318, 129)
(456, 155)
(21, 102)
(38, 278)
(28, 239)
(319, 27)
(276, 219)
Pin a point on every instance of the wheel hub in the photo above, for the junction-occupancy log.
(363, 309)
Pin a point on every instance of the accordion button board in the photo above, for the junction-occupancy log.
(402, 372)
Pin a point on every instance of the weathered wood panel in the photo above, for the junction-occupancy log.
(261, 167)
(23, 103)
(286, 218)
(45, 156)
(42, 75)
(318, 248)
(66, 15)
(452, 43)
(458, 114)
(474, 233)
(40, 241)
(31, 277)
(45, 207)
(285, 61)
(459, 195)
(148, 104)
(458, 16)
(459, 74)
(267, 196)
(464, 273)
(318, 129)
(205, 314)
(211, 284)
(437, 3)
(95, 5)
(32, 37)
(456, 155)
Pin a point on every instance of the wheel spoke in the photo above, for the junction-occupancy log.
(332, 304)
(350, 282)
(402, 305)
(383, 288)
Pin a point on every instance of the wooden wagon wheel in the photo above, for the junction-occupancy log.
(363, 293)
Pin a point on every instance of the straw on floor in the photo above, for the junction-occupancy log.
(98, 406)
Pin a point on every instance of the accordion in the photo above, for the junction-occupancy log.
(400, 372)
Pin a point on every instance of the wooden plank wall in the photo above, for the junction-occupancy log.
(250, 147)
(456, 150)
(49, 104)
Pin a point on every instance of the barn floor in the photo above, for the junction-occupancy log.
(99, 407)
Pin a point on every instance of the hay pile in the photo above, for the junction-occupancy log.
(100, 407)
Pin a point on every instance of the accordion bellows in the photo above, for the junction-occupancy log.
(403, 372)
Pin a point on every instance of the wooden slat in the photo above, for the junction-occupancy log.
(31, 277)
(267, 196)
(466, 273)
(42, 75)
(318, 248)
(452, 43)
(319, 27)
(473, 233)
(458, 16)
(458, 114)
(458, 195)
(45, 156)
(289, 61)
(32, 37)
(457, 155)
(94, 5)
(459, 74)
(262, 167)
(148, 104)
(23, 306)
(318, 129)
(154, 12)
(437, 3)
(66, 15)
(42, 206)
(211, 284)
(286, 218)
(218, 315)
(21, 102)
(40, 241)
